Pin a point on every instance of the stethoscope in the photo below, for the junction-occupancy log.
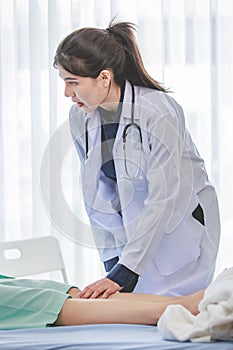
(125, 133)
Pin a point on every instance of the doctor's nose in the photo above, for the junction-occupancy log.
(68, 91)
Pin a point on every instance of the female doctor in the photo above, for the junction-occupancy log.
(153, 211)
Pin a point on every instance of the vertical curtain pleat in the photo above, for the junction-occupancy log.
(214, 83)
(36, 84)
(10, 125)
(53, 38)
(22, 79)
(2, 187)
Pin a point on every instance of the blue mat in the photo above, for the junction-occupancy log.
(98, 337)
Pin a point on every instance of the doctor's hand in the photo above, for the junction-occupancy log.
(100, 289)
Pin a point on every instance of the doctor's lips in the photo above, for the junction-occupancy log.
(79, 103)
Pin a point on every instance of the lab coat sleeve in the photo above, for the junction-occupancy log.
(104, 241)
(124, 277)
(110, 263)
(167, 135)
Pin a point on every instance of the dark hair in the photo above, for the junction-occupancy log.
(87, 51)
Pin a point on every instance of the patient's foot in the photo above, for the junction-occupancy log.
(192, 301)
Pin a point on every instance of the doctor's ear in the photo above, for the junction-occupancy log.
(105, 77)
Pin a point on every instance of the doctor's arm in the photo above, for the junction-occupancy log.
(119, 279)
(163, 168)
(120, 274)
(109, 285)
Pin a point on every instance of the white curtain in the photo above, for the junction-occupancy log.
(185, 44)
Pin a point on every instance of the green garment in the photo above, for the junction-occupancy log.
(27, 303)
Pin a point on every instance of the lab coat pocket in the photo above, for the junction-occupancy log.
(179, 247)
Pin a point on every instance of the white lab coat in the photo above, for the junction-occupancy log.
(156, 236)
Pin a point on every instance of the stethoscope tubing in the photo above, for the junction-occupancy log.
(124, 134)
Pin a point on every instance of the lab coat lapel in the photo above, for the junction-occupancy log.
(91, 169)
(124, 120)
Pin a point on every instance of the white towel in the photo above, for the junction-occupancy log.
(215, 320)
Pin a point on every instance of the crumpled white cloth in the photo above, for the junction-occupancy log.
(215, 320)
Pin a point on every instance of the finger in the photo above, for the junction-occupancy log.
(99, 292)
(96, 294)
(87, 294)
(95, 291)
(87, 289)
(109, 292)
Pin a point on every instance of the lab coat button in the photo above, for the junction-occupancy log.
(140, 177)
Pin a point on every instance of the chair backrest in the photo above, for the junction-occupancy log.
(32, 256)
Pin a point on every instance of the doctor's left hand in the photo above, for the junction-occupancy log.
(100, 289)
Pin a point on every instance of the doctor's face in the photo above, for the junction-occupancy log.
(87, 92)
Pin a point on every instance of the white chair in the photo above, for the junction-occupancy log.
(32, 256)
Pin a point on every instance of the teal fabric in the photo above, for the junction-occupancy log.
(27, 303)
(2, 276)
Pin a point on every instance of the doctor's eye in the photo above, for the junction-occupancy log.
(73, 83)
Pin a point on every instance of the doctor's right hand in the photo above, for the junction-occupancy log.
(102, 288)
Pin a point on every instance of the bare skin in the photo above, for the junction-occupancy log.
(102, 288)
(131, 308)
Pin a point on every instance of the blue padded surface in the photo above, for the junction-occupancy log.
(98, 337)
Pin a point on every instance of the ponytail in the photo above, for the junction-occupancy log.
(87, 51)
(135, 71)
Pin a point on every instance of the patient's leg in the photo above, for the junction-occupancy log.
(95, 311)
(143, 297)
(192, 301)
(121, 308)
(189, 301)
